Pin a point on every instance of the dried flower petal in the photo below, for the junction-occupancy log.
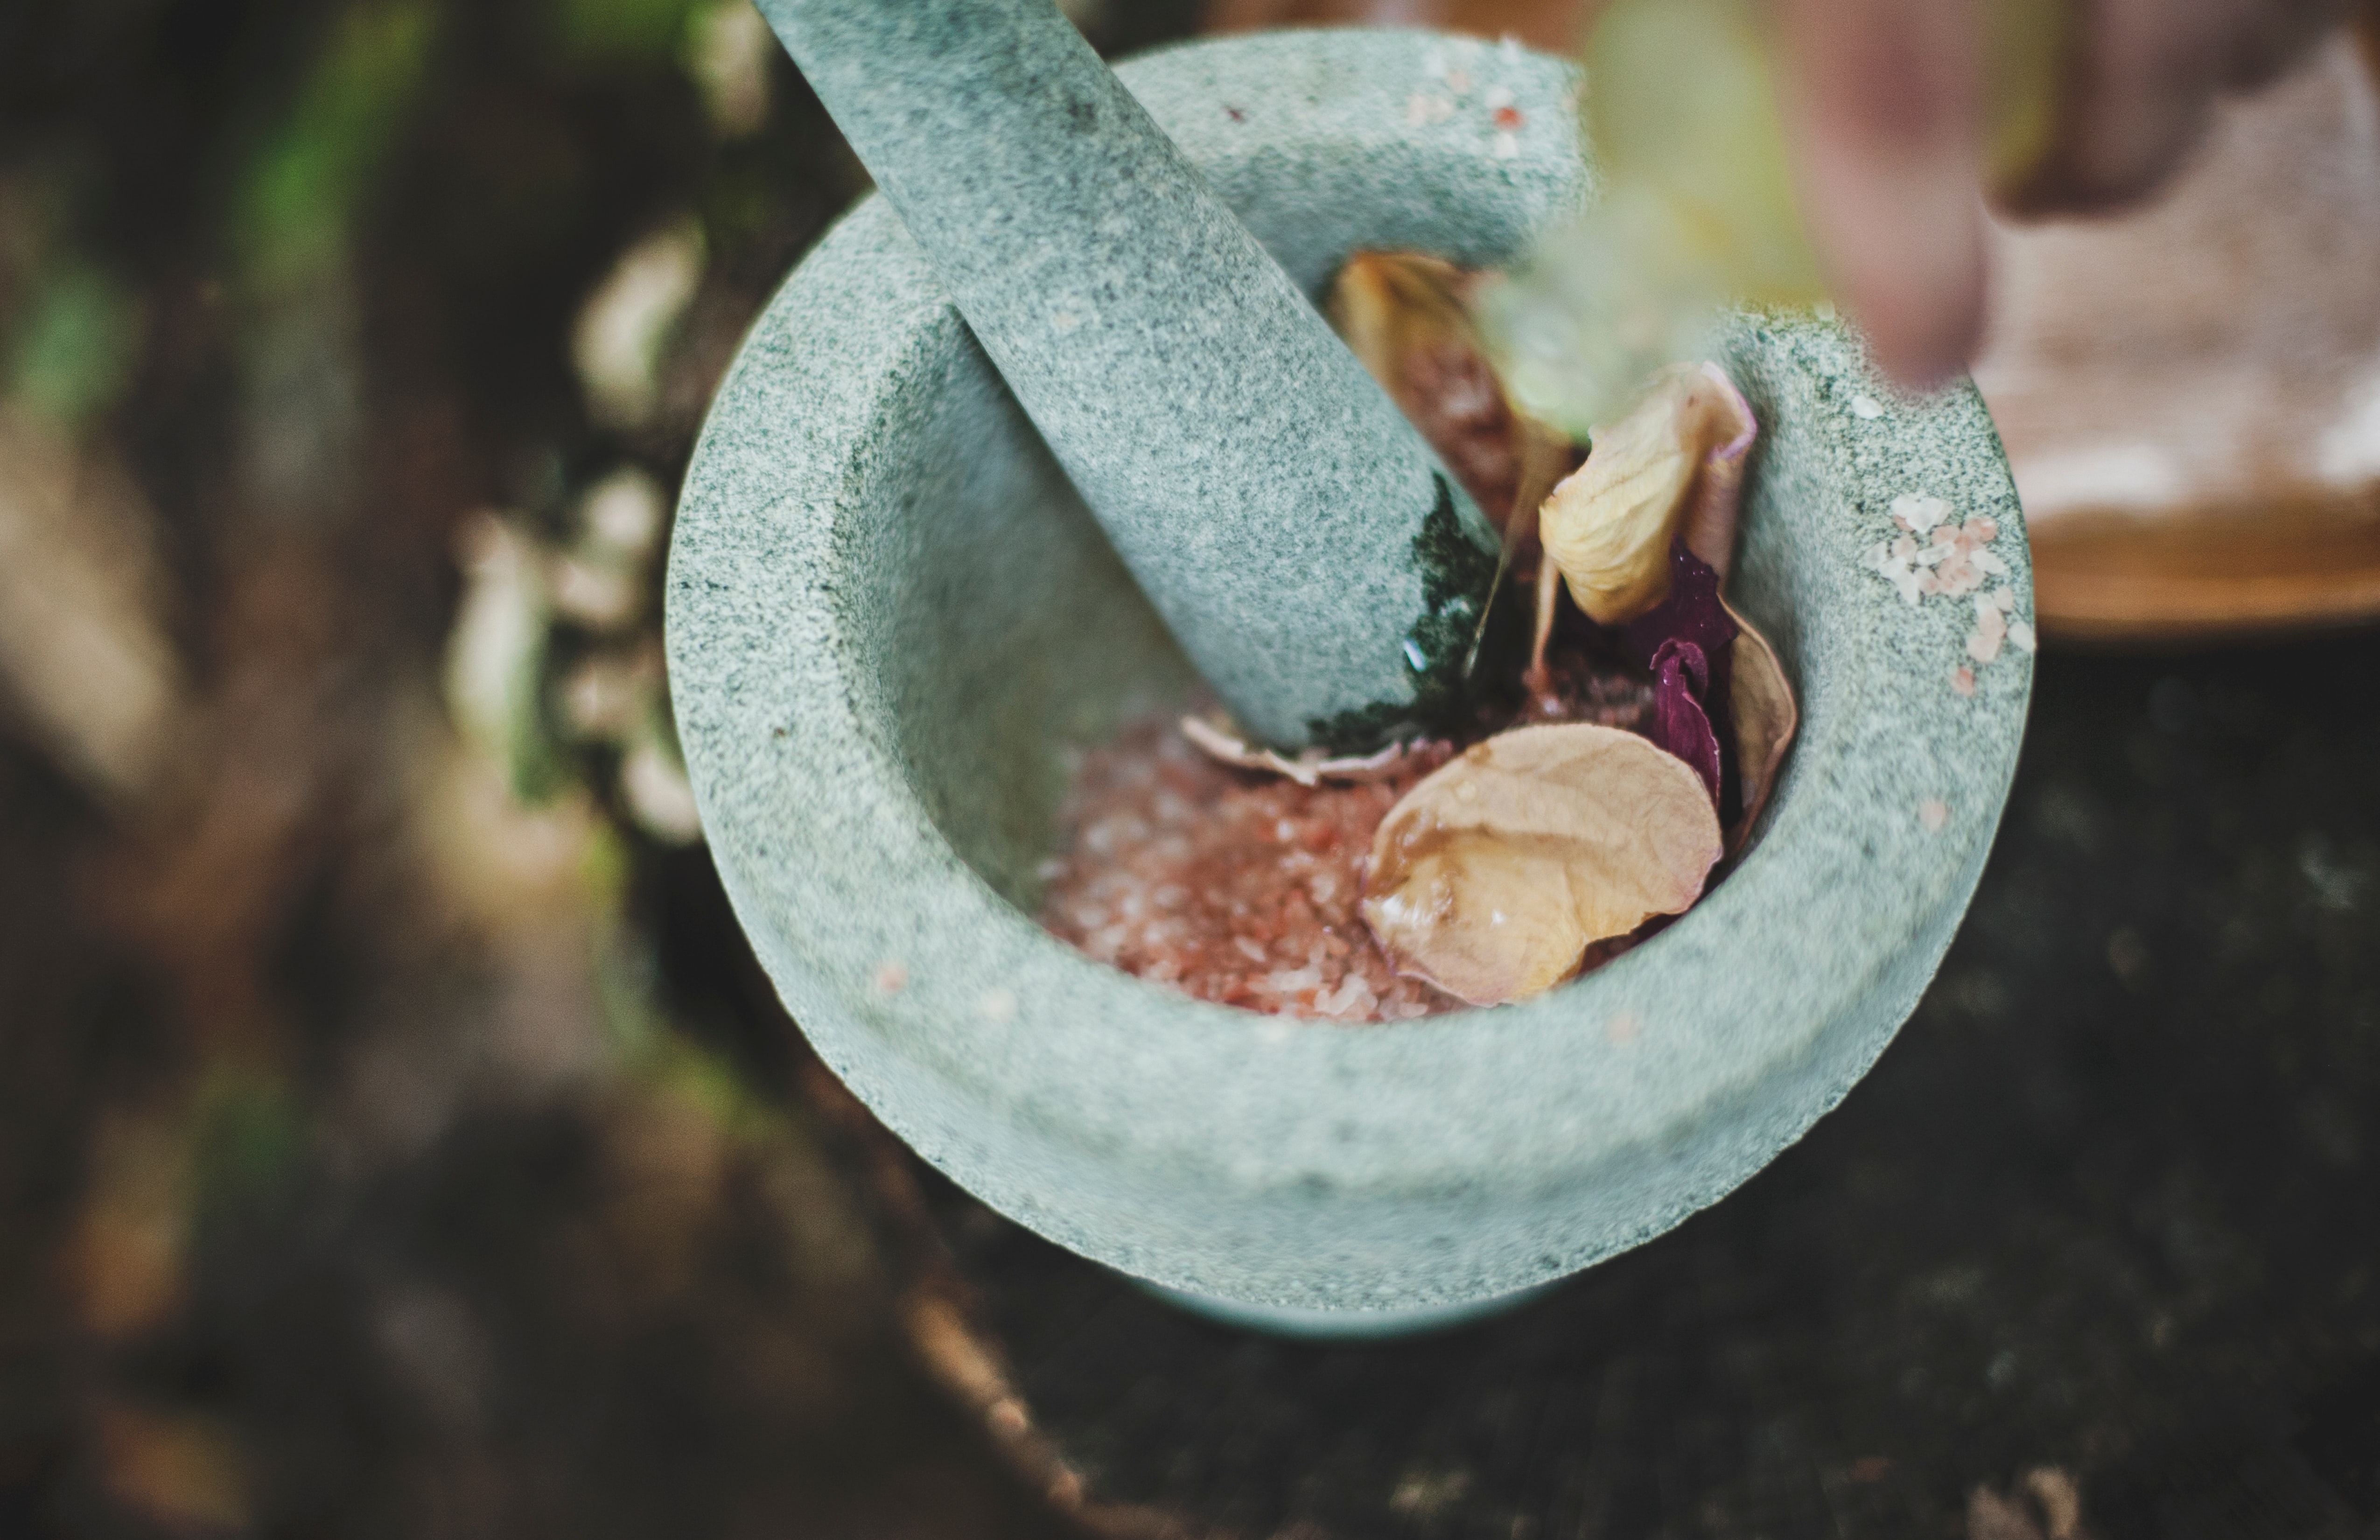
(1709, 527)
(1763, 717)
(1692, 610)
(1609, 526)
(1403, 316)
(1220, 741)
(1681, 679)
(1491, 877)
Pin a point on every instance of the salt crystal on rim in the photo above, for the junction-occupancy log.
(1963, 680)
(1931, 814)
(1914, 511)
(1991, 628)
(1423, 109)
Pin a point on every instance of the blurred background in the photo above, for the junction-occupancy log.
(396, 1138)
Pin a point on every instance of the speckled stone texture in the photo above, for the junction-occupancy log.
(889, 618)
(1304, 544)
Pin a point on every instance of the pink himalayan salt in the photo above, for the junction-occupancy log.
(1232, 886)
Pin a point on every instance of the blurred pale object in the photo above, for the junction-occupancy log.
(84, 651)
(728, 52)
(1696, 214)
(621, 331)
(1553, 25)
(2190, 394)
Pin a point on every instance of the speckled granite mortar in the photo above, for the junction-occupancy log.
(1306, 546)
(888, 617)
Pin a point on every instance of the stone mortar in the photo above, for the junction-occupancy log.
(890, 619)
(1306, 547)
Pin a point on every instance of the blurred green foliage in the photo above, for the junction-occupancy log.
(73, 345)
(623, 30)
(248, 1135)
(292, 212)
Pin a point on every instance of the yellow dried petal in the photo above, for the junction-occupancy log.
(1490, 877)
(1608, 528)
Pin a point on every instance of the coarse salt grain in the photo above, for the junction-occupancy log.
(892, 978)
(1424, 109)
(1914, 511)
(1263, 879)
(1963, 680)
(1867, 408)
(1991, 629)
(1931, 814)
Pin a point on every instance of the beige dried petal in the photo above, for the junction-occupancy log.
(1490, 877)
(1223, 741)
(1404, 316)
(1708, 527)
(1765, 717)
(1609, 526)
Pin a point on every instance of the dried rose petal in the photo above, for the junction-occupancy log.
(1692, 610)
(1490, 877)
(1694, 613)
(1763, 717)
(1609, 526)
(1681, 679)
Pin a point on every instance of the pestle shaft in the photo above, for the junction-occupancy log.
(1304, 544)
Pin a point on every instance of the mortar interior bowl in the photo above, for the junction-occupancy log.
(891, 622)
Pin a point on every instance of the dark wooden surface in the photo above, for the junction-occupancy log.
(2103, 1221)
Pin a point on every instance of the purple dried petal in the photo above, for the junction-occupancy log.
(1680, 678)
(1692, 613)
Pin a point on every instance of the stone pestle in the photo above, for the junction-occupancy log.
(1307, 547)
